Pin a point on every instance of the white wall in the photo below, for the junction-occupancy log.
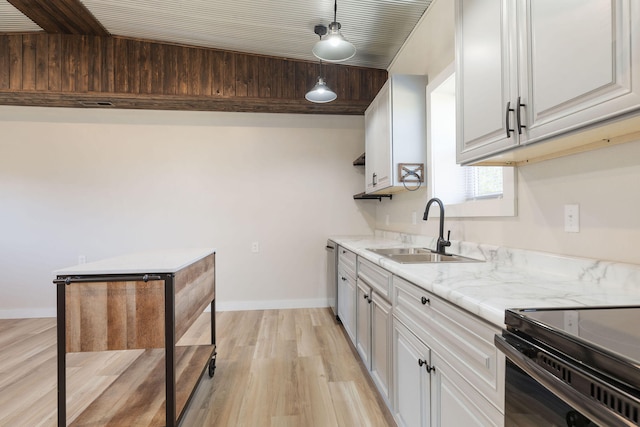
(102, 183)
(602, 182)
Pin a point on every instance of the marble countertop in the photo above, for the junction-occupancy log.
(509, 278)
(161, 261)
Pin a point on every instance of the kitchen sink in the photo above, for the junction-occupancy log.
(419, 256)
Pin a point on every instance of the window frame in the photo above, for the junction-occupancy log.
(496, 206)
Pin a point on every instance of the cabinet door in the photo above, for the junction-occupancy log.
(378, 141)
(381, 344)
(347, 303)
(363, 322)
(411, 382)
(486, 77)
(455, 404)
(579, 63)
(370, 133)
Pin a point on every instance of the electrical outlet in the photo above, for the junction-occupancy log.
(386, 219)
(255, 247)
(572, 218)
(82, 259)
(414, 218)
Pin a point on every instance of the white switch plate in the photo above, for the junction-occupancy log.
(572, 218)
(82, 259)
(386, 219)
(255, 247)
(414, 218)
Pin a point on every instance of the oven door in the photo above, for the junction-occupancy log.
(540, 390)
(528, 403)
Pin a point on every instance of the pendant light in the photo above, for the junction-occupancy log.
(321, 93)
(334, 47)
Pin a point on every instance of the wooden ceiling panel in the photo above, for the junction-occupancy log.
(61, 16)
(92, 71)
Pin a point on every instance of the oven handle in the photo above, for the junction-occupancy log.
(578, 401)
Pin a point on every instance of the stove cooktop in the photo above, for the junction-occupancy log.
(603, 339)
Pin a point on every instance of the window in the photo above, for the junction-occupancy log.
(467, 191)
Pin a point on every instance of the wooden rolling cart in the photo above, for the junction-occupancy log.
(144, 302)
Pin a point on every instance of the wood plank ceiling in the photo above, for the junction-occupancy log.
(77, 63)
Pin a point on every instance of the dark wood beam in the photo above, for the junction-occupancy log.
(61, 16)
(58, 70)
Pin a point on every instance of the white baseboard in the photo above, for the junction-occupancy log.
(26, 313)
(271, 305)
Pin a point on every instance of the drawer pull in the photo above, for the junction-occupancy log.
(425, 300)
(344, 279)
(368, 298)
(428, 367)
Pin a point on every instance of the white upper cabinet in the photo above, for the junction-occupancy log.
(395, 132)
(532, 70)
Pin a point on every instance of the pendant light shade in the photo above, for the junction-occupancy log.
(320, 93)
(334, 47)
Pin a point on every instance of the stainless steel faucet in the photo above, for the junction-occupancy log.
(442, 243)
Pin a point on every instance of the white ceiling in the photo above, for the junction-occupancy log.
(282, 28)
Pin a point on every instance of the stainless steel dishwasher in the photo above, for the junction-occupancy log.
(332, 275)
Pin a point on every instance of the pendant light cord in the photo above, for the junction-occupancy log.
(335, 11)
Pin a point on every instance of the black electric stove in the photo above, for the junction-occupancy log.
(589, 357)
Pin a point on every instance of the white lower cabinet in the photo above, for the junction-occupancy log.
(363, 323)
(381, 345)
(373, 337)
(433, 363)
(466, 369)
(454, 404)
(411, 381)
(347, 302)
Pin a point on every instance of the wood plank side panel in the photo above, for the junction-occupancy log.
(28, 62)
(69, 63)
(241, 75)
(183, 71)
(15, 62)
(229, 67)
(82, 76)
(170, 70)
(5, 74)
(146, 77)
(55, 62)
(94, 64)
(195, 288)
(216, 59)
(253, 76)
(114, 316)
(133, 61)
(108, 66)
(121, 65)
(265, 77)
(288, 80)
(157, 65)
(195, 72)
(42, 62)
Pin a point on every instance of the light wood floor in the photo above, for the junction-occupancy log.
(274, 368)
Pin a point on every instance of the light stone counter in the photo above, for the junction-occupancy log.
(509, 278)
(160, 261)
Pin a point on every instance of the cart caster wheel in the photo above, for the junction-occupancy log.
(212, 367)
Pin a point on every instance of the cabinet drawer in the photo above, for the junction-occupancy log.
(376, 277)
(465, 339)
(347, 260)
